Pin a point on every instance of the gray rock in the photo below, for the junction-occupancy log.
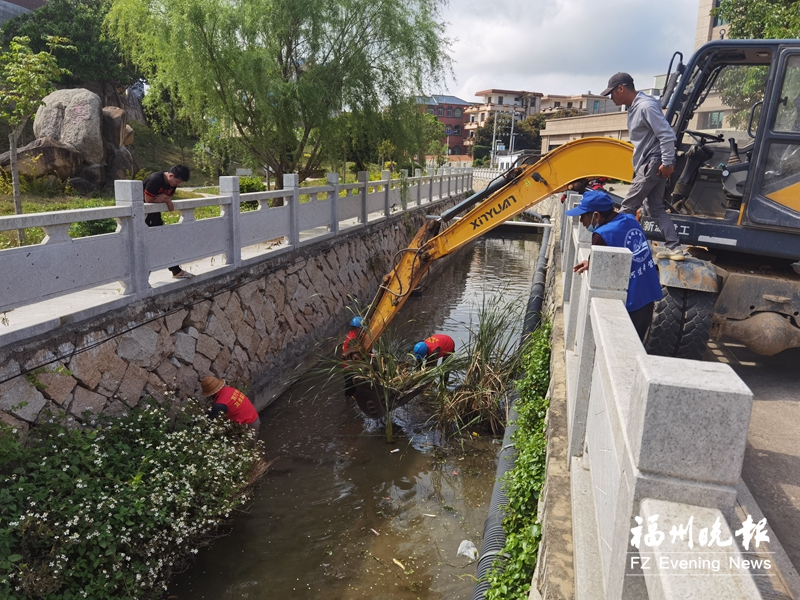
(116, 409)
(56, 386)
(94, 174)
(138, 345)
(114, 123)
(80, 185)
(128, 139)
(132, 385)
(74, 117)
(122, 165)
(184, 347)
(46, 156)
(21, 399)
(85, 400)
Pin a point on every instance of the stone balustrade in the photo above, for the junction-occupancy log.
(283, 221)
(648, 436)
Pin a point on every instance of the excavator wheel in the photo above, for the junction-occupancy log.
(681, 324)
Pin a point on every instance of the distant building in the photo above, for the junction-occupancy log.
(451, 112)
(522, 104)
(590, 104)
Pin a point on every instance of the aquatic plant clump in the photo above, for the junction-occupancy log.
(111, 511)
(483, 369)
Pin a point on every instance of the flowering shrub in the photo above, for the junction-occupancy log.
(109, 512)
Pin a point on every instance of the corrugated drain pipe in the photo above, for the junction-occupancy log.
(494, 537)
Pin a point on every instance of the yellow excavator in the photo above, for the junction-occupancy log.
(514, 191)
(734, 199)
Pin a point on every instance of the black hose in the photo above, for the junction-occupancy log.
(494, 536)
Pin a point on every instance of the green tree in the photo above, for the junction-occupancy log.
(81, 21)
(760, 19)
(25, 78)
(276, 73)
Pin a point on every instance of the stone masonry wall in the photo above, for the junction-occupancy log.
(253, 327)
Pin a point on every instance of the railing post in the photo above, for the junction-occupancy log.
(418, 177)
(131, 193)
(569, 252)
(404, 189)
(441, 183)
(449, 171)
(430, 185)
(229, 186)
(387, 177)
(291, 181)
(608, 277)
(581, 252)
(363, 176)
(333, 180)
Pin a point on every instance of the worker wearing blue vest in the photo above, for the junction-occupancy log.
(610, 228)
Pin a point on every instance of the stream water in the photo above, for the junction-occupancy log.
(340, 508)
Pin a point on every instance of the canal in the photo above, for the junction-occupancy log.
(343, 514)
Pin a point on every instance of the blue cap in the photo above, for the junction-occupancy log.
(421, 349)
(356, 322)
(592, 201)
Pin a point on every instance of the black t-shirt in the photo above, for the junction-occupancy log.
(155, 185)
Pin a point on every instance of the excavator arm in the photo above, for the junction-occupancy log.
(520, 188)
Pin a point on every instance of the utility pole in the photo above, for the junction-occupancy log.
(494, 142)
(511, 143)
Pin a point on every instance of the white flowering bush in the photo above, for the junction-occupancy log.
(109, 512)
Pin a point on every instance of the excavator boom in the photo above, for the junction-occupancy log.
(586, 158)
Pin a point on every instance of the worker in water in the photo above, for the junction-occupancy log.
(435, 347)
(610, 228)
(356, 323)
(231, 402)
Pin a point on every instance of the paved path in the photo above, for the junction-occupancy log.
(772, 458)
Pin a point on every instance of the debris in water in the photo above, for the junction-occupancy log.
(373, 531)
(395, 450)
(427, 515)
(455, 472)
(468, 549)
(399, 564)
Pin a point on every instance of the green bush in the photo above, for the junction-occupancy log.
(86, 228)
(109, 512)
(523, 484)
(247, 185)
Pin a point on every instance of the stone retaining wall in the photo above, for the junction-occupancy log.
(253, 327)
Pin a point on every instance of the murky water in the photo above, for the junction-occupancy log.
(340, 505)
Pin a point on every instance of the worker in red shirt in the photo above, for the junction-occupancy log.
(231, 402)
(356, 323)
(435, 347)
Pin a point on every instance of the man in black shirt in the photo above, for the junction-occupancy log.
(160, 187)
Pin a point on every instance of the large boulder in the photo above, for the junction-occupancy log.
(128, 140)
(122, 166)
(46, 156)
(74, 117)
(114, 123)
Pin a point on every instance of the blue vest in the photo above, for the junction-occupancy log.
(644, 286)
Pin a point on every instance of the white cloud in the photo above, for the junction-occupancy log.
(563, 46)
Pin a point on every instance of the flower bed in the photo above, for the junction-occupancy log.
(109, 512)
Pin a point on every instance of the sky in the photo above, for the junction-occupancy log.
(563, 46)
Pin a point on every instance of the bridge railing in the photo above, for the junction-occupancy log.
(282, 221)
(645, 433)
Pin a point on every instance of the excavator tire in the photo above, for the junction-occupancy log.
(681, 324)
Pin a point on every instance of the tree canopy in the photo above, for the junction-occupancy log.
(80, 21)
(760, 19)
(277, 74)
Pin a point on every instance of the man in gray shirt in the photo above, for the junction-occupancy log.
(653, 157)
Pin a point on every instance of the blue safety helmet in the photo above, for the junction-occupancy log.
(420, 349)
(356, 322)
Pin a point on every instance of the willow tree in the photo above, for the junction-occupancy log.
(275, 73)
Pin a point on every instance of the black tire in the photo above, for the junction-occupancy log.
(681, 324)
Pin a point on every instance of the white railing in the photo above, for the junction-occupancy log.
(645, 434)
(61, 265)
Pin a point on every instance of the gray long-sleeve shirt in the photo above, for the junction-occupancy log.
(650, 133)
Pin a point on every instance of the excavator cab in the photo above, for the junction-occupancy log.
(734, 198)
